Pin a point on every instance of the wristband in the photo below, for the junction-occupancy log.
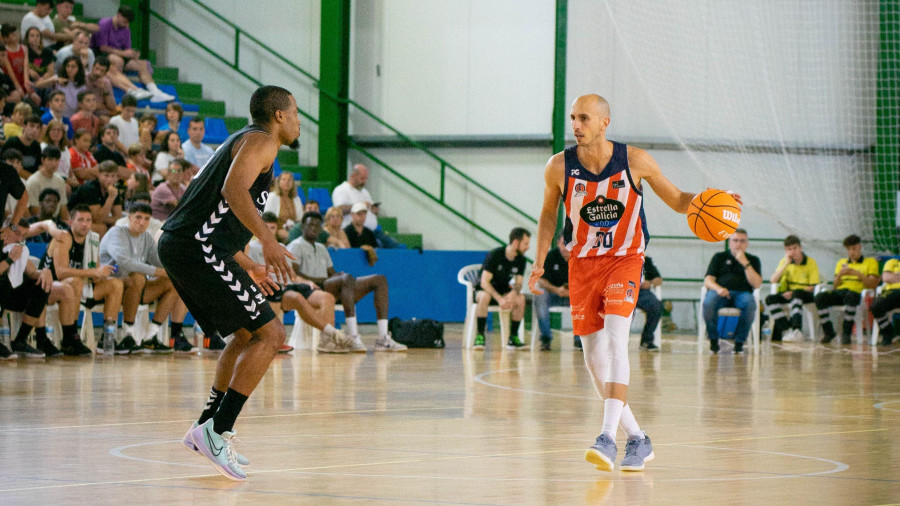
(9, 261)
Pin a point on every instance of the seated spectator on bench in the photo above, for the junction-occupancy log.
(85, 119)
(55, 135)
(126, 122)
(888, 301)
(852, 275)
(65, 24)
(284, 203)
(194, 150)
(56, 110)
(82, 161)
(796, 278)
(360, 236)
(49, 209)
(97, 82)
(101, 197)
(170, 151)
(555, 286)
(79, 48)
(28, 144)
(168, 194)
(47, 178)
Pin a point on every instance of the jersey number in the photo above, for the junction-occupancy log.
(604, 239)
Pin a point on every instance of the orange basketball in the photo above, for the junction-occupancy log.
(713, 215)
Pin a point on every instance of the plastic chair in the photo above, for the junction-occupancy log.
(142, 326)
(470, 276)
(701, 323)
(304, 336)
(320, 195)
(875, 330)
(216, 131)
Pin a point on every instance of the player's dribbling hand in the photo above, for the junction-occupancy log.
(260, 275)
(536, 273)
(277, 257)
(736, 196)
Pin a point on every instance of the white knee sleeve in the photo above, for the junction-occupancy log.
(596, 359)
(616, 329)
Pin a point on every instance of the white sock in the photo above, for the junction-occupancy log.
(152, 88)
(153, 330)
(629, 424)
(351, 326)
(612, 412)
(329, 330)
(128, 329)
(382, 328)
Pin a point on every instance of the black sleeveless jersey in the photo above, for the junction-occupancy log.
(203, 213)
(76, 258)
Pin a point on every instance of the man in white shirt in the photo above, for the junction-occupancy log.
(194, 150)
(46, 177)
(126, 122)
(40, 17)
(353, 190)
(78, 47)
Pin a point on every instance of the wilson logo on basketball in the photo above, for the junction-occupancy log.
(602, 212)
(731, 216)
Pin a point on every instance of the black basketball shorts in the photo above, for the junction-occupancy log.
(303, 289)
(218, 292)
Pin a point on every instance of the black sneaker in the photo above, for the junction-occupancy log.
(545, 344)
(47, 346)
(577, 342)
(650, 347)
(738, 348)
(828, 338)
(75, 348)
(216, 343)
(5, 354)
(26, 350)
(846, 340)
(714, 345)
(181, 344)
(127, 346)
(154, 346)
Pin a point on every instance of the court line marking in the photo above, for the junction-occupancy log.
(881, 405)
(480, 379)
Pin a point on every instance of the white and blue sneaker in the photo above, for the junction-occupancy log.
(189, 444)
(638, 451)
(603, 453)
(218, 450)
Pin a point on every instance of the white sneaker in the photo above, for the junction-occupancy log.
(357, 346)
(161, 96)
(794, 336)
(340, 343)
(140, 93)
(385, 343)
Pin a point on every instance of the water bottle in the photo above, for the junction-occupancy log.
(4, 332)
(198, 336)
(109, 339)
(50, 333)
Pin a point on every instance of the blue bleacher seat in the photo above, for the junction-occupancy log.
(216, 132)
(322, 196)
(118, 94)
(276, 171)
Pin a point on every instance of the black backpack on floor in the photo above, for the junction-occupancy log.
(417, 333)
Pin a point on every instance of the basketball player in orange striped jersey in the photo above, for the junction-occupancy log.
(600, 182)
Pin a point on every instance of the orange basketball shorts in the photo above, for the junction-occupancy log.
(603, 285)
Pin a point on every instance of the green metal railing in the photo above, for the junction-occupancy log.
(445, 166)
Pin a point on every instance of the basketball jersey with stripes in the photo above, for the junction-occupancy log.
(604, 212)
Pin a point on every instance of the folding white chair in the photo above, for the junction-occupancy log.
(701, 323)
(470, 277)
(142, 325)
(304, 336)
(535, 331)
(875, 330)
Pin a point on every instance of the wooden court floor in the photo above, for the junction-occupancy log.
(799, 424)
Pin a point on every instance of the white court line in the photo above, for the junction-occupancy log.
(881, 405)
(480, 379)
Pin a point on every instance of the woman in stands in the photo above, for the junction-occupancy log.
(174, 114)
(18, 61)
(284, 203)
(336, 238)
(69, 80)
(41, 62)
(135, 184)
(170, 150)
(55, 135)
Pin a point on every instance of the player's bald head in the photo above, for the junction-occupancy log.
(594, 102)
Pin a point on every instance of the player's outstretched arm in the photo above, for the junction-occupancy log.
(554, 178)
(644, 167)
(256, 153)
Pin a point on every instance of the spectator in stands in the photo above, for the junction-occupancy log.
(74, 259)
(13, 157)
(796, 278)
(109, 149)
(170, 151)
(852, 275)
(83, 163)
(312, 206)
(27, 143)
(65, 24)
(352, 191)
(284, 203)
(336, 237)
(114, 39)
(13, 128)
(97, 82)
(101, 196)
(137, 161)
(730, 280)
(140, 198)
(888, 301)
(41, 60)
(360, 236)
(649, 304)
(18, 61)
(46, 177)
(314, 264)
(194, 150)
(13, 91)
(49, 210)
(555, 286)
(174, 115)
(126, 122)
(133, 250)
(39, 18)
(168, 194)
(12, 187)
(85, 119)
(55, 135)
(137, 183)
(79, 49)
(24, 289)
(501, 284)
(56, 105)
(147, 133)
(69, 80)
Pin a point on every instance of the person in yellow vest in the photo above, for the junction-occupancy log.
(796, 276)
(888, 301)
(852, 275)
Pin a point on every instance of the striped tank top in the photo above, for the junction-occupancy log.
(605, 212)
